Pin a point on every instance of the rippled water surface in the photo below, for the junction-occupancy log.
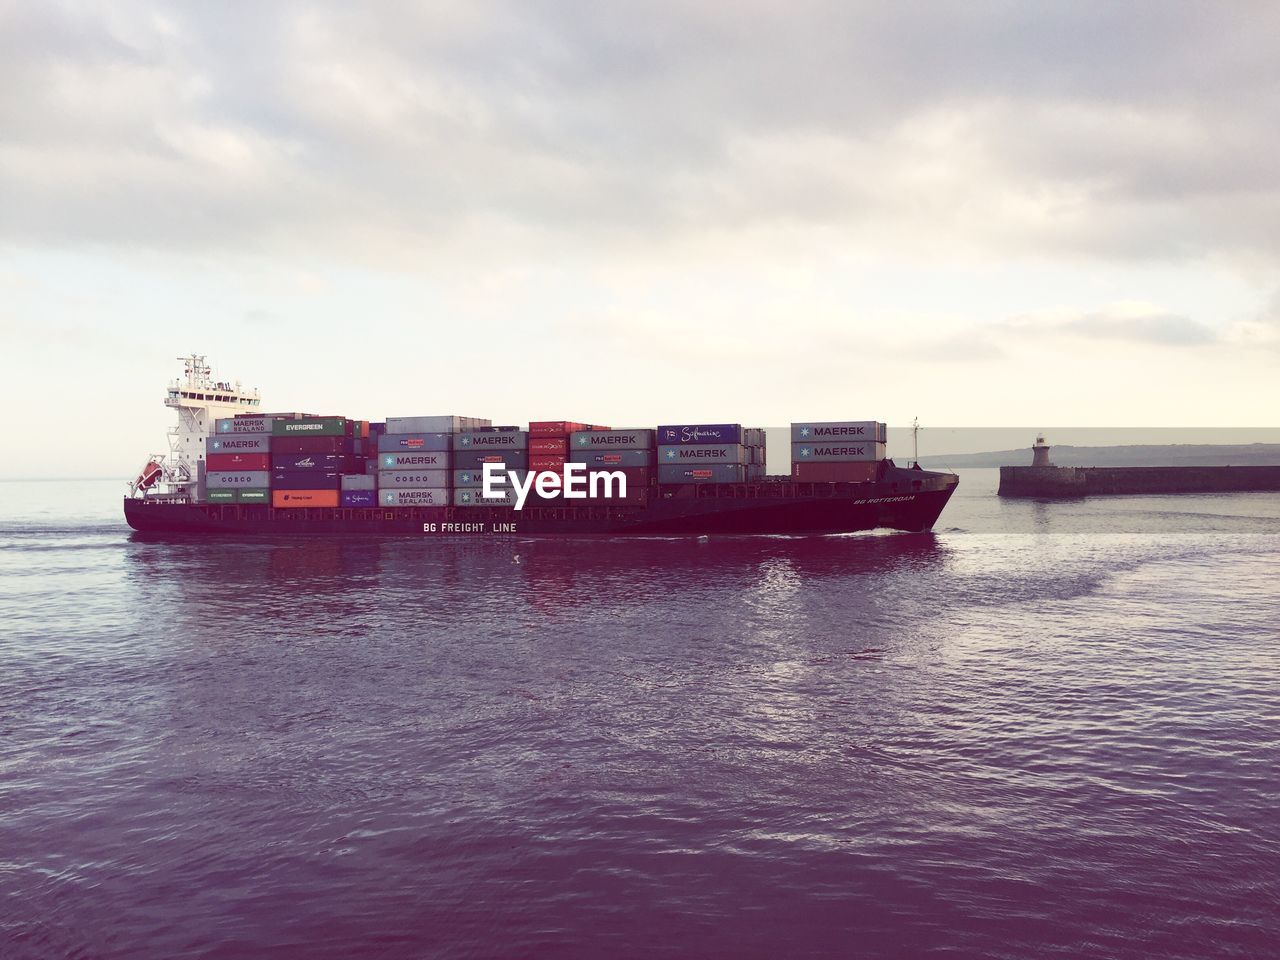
(1046, 730)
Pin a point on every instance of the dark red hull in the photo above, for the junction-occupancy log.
(902, 500)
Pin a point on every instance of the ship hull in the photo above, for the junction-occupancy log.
(905, 500)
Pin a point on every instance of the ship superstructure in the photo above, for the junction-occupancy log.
(199, 400)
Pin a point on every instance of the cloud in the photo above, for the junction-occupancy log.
(403, 131)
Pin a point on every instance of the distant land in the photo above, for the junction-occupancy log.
(1133, 455)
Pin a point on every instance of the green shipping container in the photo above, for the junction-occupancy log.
(253, 495)
(310, 427)
(222, 496)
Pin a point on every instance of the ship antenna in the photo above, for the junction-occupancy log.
(915, 442)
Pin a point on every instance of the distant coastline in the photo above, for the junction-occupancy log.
(1137, 455)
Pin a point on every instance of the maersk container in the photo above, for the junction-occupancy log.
(305, 480)
(358, 498)
(605, 459)
(412, 479)
(476, 459)
(838, 431)
(611, 440)
(433, 497)
(223, 480)
(704, 473)
(238, 461)
(475, 478)
(328, 462)
(414, 442)
(313, 427)
(238, 444)
(312, 445)
(290, 499)
(470, 497)
(434, 424)
(433, 460)
(703, 453)
(243, 425)
(497, 440)
(839, 452)
(682, 433)
(548, 445)
(359, 481)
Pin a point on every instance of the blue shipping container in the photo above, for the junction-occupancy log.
(359, 498)
(700, 433)
(305, 480)
(327, 462)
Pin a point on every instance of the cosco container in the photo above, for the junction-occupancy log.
(358, 498)
(839, 430)
(604, 459)
(412, 479)
(238, 461)
(433, 460)
(434, 424)
(496, 440)
(289, 499)
(476, 459)
(552, 445)
(433, 497)
(328, 462)
(305, 480)
(312, 427)
(471, 497)
(414, 442)
(837, 452)
(238, 444)
(220, 480)
(683, 433)
(475, 478)
(705, 473)
(611, 440)
(703, 453)
(359, 481)
(243, 425)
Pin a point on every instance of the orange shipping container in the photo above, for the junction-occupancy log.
(553, 428)
(304, 498)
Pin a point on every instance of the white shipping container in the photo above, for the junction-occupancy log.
(412, 479)
(359, 481)
(470, 497)
(850, 451)
(230, 479)
(450, 424)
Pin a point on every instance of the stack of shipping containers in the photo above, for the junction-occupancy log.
(309, 456)
(704, 453)
(631, 452)
(549, 443)
(840, 451)
(238, 460)
(415, 457)
(506, 446)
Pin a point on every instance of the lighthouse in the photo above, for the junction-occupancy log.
(1040, 452)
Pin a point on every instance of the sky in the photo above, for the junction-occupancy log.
(976, 213)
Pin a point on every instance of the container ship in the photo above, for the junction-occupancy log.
(232, 468)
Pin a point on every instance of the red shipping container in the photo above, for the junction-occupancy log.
(309, 444)
(553, 428)
(556, 445)
(835, 472)
(238, 461)
(547, 462)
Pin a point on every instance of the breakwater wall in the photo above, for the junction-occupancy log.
(1095, 481)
